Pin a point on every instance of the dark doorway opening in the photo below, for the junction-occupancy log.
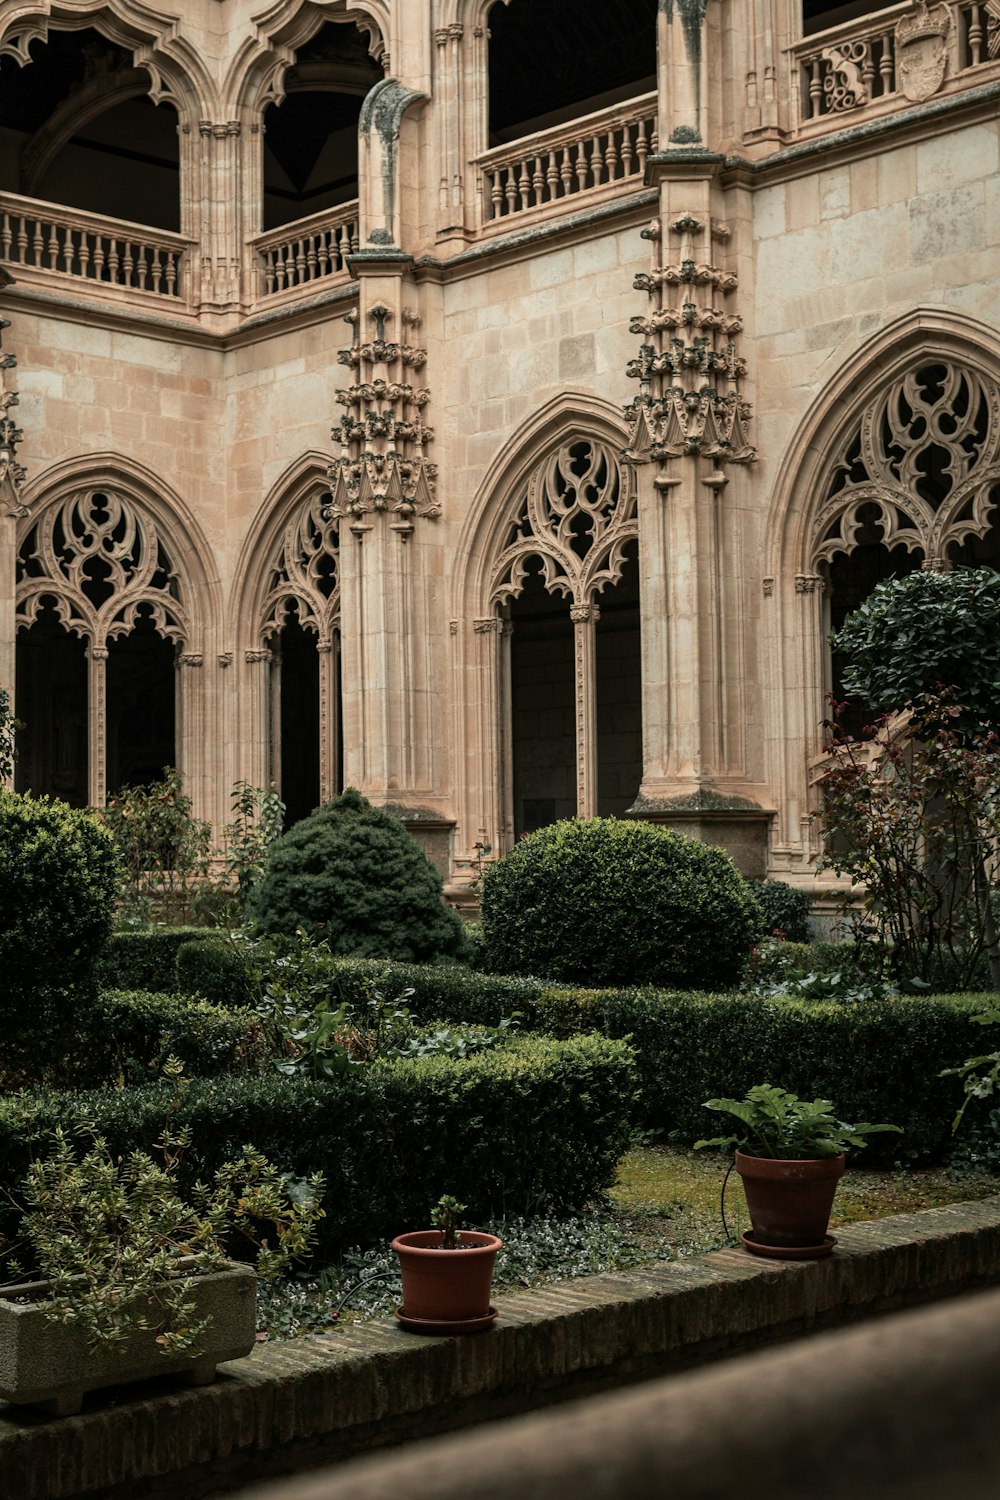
(51, 702)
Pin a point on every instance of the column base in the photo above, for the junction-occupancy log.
(733, 823)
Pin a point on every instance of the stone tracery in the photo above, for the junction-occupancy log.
(923, 461)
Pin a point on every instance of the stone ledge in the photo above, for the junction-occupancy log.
(290, 1405)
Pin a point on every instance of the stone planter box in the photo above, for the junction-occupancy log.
(51, 1365)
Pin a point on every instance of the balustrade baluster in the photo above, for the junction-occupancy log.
(868, 70)
(173, 274)
(581, 167)
(538, 182)
(128, 263)
(67, 250)
(887, 64)
(84, 252)
(642, 145)
(142, 267)
(566, 171)
(99, 257)
(611, 156)
(312, 260)
(551, 176)
(300, 261)
(596, 160)
(976, 32)
(268, 272)
(156, 281)
(523, 184)
(6, 236)
(628, 150)
(114, 262)
(510, 190)
(816, 97)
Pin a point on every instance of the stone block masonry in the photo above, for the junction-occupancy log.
(293, 1405)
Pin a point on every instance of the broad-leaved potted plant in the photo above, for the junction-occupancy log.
(790, 1154)
(447, 1274)
(117, 1278)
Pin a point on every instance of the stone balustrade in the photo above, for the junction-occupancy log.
(69, 242)
(605, 150)
(304, 254)
(896, 58)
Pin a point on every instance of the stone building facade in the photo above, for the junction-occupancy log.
(487, 405)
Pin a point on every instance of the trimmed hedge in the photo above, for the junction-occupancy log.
(146, 959)
(534, 1126)
(877, 1061)
(213, 970)
(140, 1031)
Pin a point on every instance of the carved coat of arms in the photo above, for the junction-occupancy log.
(922, 50)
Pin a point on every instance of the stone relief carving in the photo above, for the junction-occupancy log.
(10, 433)
(922, 50)
(922, 464)
(689, 370)
(576, 515)
(383, 464)
(305, 572)
(102, 563)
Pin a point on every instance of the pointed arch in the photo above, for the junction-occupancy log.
(288, 579)
(557, 498)
(109, 553)
(900, 451)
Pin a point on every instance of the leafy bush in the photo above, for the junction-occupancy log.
(605, 901)
(142, 1031)
(165, 851)
(215, 969)
(913, 818)
(258, 815)
(356, 868)
(58, 885)
(533, 1126)
(784, 909)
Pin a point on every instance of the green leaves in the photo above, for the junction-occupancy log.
(780, 1125)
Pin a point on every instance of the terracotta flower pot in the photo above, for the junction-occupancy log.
(446, 1290)
(790, 1204)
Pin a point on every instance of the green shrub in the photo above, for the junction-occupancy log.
(879, 1060)
(533, 1126)
(165, 851)
(58, 885)
(605, 901)
(146, 958)
(784, 909)
(356, 868)
(215, 970)
(140, 1031)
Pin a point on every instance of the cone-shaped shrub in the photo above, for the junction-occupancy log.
(59, 881)
(603, 901)
(357, 868)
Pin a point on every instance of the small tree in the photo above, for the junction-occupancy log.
(354, 868)
(929, 630)
(164, 849)
(258, 816)
(912, 816)
(913, 638)
(8, 728)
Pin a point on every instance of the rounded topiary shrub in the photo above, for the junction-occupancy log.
(59, 882)
(604, 901)
(784, 909)
(356, 868)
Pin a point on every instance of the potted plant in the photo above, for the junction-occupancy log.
(118, 1279)
(447, 1274)
(790, 1155)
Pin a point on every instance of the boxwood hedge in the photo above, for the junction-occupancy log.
(535, 1126)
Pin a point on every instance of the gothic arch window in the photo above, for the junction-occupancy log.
(310, 137)
(545, 69)
(299, 625)
(565, 585)
(93, 568)
(82, 130)
(914, 482)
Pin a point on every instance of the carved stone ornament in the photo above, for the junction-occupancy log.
(10, 434)
(575, 517)
(305, 573)
(689, 370)
(101, 562)
(922, 50)
(919, 469)
(383, 463)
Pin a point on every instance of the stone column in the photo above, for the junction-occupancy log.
(97, 721)
(585, 617)
(191, 728)
(220, 169)
(263, 742)
(329, 716)
(11, 509)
